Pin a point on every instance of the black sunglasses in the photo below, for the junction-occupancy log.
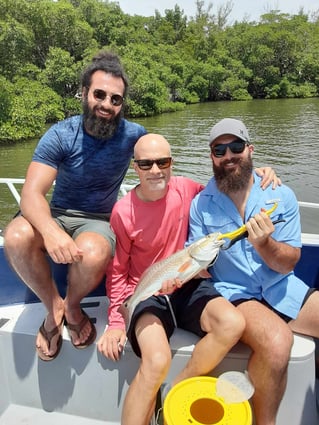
(236, 146)
(100, 95)
(147, 164)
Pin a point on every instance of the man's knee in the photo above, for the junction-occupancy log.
(279, 348)
(17, 233)
(274, 346)
(233, 322)
(157, 364)
(95, 247)
(222, 317)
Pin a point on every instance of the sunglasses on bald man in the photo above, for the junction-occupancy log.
(147, 164)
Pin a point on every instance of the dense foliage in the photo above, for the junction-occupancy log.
(171, 60)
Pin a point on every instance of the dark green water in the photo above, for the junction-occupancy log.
(285, 134)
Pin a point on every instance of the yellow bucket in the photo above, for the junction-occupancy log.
(194, 402)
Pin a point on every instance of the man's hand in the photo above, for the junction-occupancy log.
(260, 228)
(169, 286)
(278, 256)
(61, 247)
(268, 176)
(111, 343)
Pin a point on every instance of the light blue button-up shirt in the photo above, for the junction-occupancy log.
(239, 272)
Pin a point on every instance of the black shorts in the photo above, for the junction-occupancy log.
(264, 302)
(182, 309)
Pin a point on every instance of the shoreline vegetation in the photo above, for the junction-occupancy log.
(171, 60)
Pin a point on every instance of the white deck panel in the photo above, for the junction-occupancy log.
(83, 385)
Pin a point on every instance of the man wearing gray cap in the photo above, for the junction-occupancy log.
(229, 126)
(256, 274)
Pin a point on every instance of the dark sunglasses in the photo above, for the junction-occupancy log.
(147, 164)
(236, 146)
(101, 95)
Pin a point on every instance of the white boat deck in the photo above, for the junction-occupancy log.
(23, 415)
(83, 387)
(78, 387)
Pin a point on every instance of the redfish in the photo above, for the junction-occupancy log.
(182, 265)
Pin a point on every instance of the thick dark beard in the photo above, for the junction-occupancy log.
(230, 181)
(99, 127)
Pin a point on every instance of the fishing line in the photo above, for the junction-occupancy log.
(171, 309)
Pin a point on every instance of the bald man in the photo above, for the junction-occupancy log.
(151, 223)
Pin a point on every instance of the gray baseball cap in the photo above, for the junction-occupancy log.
(229, 126)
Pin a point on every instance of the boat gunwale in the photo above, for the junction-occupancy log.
(309, 239)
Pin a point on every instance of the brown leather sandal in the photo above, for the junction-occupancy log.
(48, 335)
(78, 327)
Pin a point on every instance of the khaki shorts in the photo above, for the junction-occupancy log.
(76, 222)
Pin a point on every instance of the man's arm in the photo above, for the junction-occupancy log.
(268, 176)
(278, 256)
(34, 205)
(35, 208)
(112, 341)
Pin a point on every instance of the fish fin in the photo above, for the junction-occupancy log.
(204, 274)
(184, 266)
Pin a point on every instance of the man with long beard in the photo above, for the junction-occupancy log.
(87, 156)
(256, 274)
(151, 223)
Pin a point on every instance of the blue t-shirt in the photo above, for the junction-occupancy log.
(240, 273)
(90, 171)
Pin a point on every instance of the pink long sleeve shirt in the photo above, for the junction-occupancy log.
(146, 232)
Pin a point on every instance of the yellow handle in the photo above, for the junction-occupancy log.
(242, 229)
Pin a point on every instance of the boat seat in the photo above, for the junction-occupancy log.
(298, 407)
(85, 383)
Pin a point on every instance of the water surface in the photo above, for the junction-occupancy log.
(284, 133)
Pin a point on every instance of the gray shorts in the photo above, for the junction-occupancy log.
(76, 222)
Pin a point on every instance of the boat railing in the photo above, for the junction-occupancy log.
(125, 187)
(11, 184)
